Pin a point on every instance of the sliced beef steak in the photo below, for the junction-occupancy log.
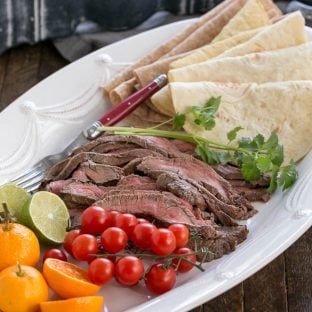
(184, 147)
(205, 180)
(65, 170)
(99, 173)
(133, 179)
(167, 208)
(156, 144)
(232, 173)
(254, 194)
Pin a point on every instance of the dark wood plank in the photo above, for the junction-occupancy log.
(51, 61)
(3, 69)
(266, 290)
(299, 274)
(232, 301)
(21, 73)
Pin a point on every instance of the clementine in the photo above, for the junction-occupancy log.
(81, 304)
(18, 243)
(67, 279)
(22, 288)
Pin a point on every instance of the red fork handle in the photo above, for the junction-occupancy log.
(128, 105)
(125, 107)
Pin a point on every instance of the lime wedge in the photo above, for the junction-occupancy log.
(15, 197)
(47, 215)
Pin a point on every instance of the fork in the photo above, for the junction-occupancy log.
(31, 179)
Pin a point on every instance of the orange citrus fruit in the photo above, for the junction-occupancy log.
(67, 279)
(22, 288)
(81, 304)
(18, 244)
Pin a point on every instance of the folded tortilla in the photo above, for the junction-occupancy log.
(209, 51)
(282, 107)
(170, 44)
(252, 15)
(287, 32)
(255, 67)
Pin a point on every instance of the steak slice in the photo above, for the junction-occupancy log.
(233, 173)
(218, 193)
(85, 194)
(99, 173)
(133, 179)
(166, 209)
(184, 147)
(196, 195)
(67, 167)
(254, 194)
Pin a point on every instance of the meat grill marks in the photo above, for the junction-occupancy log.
(152, 177)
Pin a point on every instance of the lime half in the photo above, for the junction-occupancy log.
(15, 197)
(47, 215)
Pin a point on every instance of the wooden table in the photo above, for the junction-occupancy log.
(283, 285)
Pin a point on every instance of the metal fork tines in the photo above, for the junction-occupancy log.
(30, 179)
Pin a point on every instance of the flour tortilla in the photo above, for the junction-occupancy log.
(255, 67)
(252, 15)
(209, 51)
(283, 107)
(170, 44)
(287, 32)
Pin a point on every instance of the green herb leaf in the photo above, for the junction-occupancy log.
(272, 142)
(231, 135)
(264, 164)
(212, 106)
(259, 140)
(273, 183)
(249, 168)
(277, 155)
(288, 176)
(204, 115)
(178, 121)
(248, 144)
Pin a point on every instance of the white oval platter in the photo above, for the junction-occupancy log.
(44, 119)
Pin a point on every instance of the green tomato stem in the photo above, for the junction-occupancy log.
(19, 271)
(7, 218)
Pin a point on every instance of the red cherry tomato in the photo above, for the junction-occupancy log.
(54, 253)
(184, 266)
(114, 239)
(127, 222)
(101, 271)
(83, 246)
(69, 238)
(94, 220)
(163, 242)
(142, 220)
(181, 233)
(142, 233)
(129, 270)
(160, 279)
(113, 215)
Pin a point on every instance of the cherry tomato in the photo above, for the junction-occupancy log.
(142, 220)
(101, 271)
(127, 222)
(141, 235)
(94, 220)
(83, 246)
(69, 238)
(160, 279)
(184, 266)
(129, 270)
(113, 215)
(163, 242)
(54, 253)
(114, 239)
(181, 233)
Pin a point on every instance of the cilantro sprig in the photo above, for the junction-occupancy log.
(255, 156)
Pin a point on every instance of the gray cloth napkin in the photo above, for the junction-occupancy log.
(89, 37)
